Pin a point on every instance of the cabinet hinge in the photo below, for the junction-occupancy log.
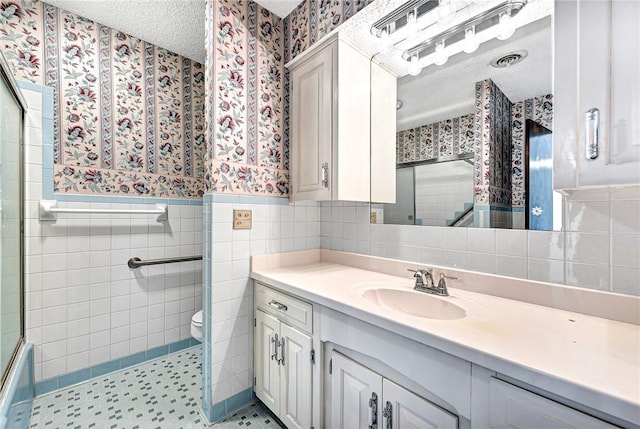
(330, 366)
(254, 381)
(312, 357)
(255, 322)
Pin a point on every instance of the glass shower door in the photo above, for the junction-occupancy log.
(11, 314)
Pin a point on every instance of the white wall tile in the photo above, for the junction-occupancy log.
(587, 248)
(625, 280)
(511, 266)
(625, 217)
(546, 270)
(590, 276)
(511, 242)
(625, 250)
(481, 240)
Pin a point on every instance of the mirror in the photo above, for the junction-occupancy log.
(473, 142)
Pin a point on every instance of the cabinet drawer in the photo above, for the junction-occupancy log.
(286, 308)
(513, 407)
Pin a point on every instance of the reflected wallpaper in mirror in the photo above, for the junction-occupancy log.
(465, 155)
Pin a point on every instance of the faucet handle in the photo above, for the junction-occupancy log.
(442, 284)
(419, 274)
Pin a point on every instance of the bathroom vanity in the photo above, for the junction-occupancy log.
(344, 341)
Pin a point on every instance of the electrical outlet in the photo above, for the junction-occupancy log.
(242, 219)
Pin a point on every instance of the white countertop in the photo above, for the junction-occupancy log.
(596, 359)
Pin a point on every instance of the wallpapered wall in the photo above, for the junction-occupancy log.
(437, 140)
(128, 115)
(247, 89)
(245, 96)
(313, 19)
(492, 177)
(540, 110)
(456, 136)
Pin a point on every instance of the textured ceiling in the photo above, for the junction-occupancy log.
(176, 25)
(282, 8)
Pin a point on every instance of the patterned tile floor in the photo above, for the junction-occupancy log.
(164, 393)
(255, 416)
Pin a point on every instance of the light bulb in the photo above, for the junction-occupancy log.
(446, 11)
(412, 21)
(385, 41)
(506, 26)
(439, 56)
(414, 65)
(471, 42)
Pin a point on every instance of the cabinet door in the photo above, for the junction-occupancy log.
(410, 411)
(597, 66)
(513, 407)
(312, 126)
(353, 389)
(266, 367)
(295, 378)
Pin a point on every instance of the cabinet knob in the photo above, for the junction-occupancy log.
(591, 133)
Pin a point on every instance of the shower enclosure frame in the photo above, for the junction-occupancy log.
(7, 78)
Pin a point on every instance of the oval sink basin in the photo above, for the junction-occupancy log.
(415, 303)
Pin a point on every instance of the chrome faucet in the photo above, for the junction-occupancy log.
(424, 279)
(424, 282)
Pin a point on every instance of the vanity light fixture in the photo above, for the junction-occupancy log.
(507, 27)
(406, 15)
(471, 42)
(414, 66)
(386, 44)
(439, 57)
(498, 18)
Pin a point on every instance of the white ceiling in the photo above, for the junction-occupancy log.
(448, 91)
(176, 25)
(282, 8)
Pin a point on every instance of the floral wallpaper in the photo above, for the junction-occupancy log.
(540, 110)
(442, 139)
(128, 115)
(492, 158)
(245, 97)
(313, 19)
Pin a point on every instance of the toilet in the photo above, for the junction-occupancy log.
(196, 326)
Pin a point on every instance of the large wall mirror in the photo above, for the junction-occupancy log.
(473, 141)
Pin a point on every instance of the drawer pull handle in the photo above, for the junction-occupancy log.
(278, 306)
(387, 413)
(281, 360)
(275, 342)
(373, 411)
(592, 131)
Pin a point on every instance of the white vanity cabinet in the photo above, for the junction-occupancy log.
(596, 93)
(514, 407)
(331, 117)
(283, 356)
(362, 398)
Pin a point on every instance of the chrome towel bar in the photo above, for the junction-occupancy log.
(136, 262)
(48, 211)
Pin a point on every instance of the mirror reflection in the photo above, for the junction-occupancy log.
(473, 142)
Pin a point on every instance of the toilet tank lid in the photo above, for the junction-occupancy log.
(197, 318)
